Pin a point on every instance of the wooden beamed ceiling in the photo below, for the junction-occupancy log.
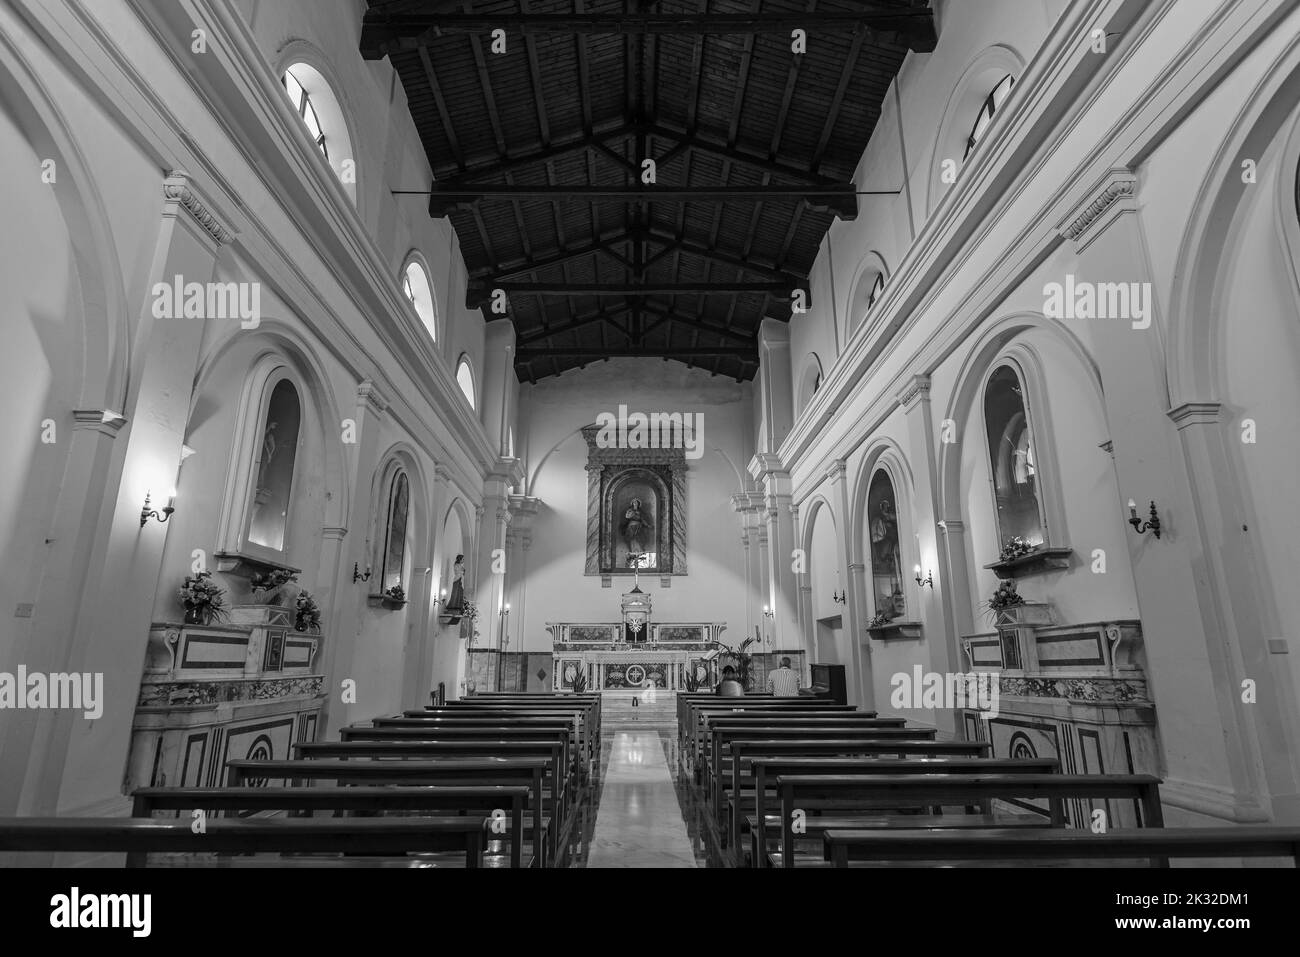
(537, 152)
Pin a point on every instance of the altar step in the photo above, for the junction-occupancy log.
(618, 710)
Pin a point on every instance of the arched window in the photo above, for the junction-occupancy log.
(416, 286)
(465, 378)
(886, 560)
(274, 465)
(399, 508)
(997, 96)
(321, 112)
(877, 288)
(301, 101)
(1012, 459)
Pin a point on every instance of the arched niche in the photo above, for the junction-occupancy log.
(228, 420)
(637, 497)
(823, 580)
(878, 533)
(969, 94)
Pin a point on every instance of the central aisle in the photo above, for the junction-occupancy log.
(638, 818)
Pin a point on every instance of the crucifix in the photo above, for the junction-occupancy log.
(635, 560)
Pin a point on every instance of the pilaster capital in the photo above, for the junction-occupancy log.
(1195, 413)
(915, 391)
(368, 395)
(98, 420)
(837, 470)
(1115, 193)
(179, 193)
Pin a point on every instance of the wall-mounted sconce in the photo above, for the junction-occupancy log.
(928, 580)
(1152, 526)
(768, 612)
(358, 575)
(147, 513)
(838, 597)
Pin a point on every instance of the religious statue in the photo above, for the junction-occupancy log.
(636, 529)
(269, 445)
(884, 536)
(457, 600)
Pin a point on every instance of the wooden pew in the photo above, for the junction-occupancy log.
(689, 729)
(469, 741)
(583, 731)
(554, 751)
(1014, 845)
(473, 772)
(137, 837)
(512, 800)
(722, 731)
(704, 716)
(502, 726)
(767, 770)
(806, 792)
(743, 748)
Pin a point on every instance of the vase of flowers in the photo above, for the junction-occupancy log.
(203, 599)
(270, 585)
(1004, 596)
(306, 613)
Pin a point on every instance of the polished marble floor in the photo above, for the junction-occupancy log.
(638, 817)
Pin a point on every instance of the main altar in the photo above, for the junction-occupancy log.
(634, 652)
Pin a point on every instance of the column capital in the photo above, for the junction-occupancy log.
(441, 473)
(178, 191)
(1113, 194)
(368, 394)
(1195, 413)
(837, 470)
(764, 464)
(916, 390)
(98, 420)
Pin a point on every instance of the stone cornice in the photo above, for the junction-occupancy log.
(178, 191)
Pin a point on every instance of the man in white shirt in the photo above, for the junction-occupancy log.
(783, 682)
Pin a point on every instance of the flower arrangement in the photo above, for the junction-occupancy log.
(307, 614)
(1004, 596)
(203, 599)
(880, 621)
(1015, 547)
(468, 610)
(395, 593)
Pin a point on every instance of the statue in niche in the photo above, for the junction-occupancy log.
(269, 445)
(637, 531)
(886, 562)
(457, 600)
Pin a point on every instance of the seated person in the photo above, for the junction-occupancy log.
(729, 686)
